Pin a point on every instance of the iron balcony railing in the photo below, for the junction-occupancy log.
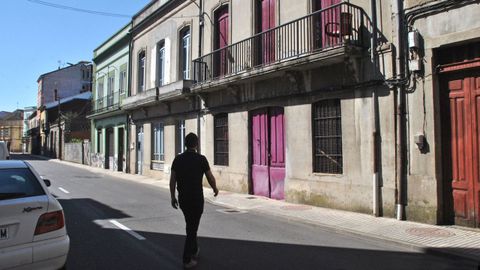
(107, 103)
(334, 26)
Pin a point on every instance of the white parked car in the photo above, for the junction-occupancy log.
(32, 224)
(4, 154)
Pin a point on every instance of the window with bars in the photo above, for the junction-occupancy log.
(327, 137)
(221, 139)
(158, 142)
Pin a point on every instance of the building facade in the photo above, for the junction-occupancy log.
(366, 106)
(60, 84)
(109, 123)
(11, 130)
(66, 122)
(442, 63)
(161, 110)
(27, 112)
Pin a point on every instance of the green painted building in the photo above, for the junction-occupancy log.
(110, 87)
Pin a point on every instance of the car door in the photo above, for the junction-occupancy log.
(22, 201)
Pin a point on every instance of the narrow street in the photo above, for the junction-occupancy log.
(120, 224)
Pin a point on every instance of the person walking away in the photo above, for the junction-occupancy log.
(187, 173)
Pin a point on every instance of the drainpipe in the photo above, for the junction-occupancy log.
(199, 100)
(128, 94)
(400, 118)
(375, 141)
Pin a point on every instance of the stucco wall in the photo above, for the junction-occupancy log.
(425, 168)
(167, 29)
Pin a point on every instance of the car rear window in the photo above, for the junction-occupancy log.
(18, 183)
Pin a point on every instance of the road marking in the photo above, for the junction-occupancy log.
(64, 190)
(128, 230)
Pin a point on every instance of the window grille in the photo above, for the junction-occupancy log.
(327, 137)
(221, 139)
(158, 142)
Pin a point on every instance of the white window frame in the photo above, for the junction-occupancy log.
(158, 142)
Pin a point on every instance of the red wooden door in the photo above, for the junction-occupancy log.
(222, 18)
(267, 22)
(268, 148)
(464, 97)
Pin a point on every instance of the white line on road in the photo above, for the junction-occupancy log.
(64, 190)
(128, 230)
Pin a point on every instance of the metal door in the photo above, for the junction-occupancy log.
(464, 115)
(139, 150)
(268, 153)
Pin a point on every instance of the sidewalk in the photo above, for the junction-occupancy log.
(461, 243)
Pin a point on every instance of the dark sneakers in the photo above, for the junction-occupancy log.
(192, 263)
(197, 254)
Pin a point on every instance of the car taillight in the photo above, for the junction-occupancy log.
(50, 222)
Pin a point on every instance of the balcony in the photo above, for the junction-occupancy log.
(107, 104)
(325, 36)
(164, 93)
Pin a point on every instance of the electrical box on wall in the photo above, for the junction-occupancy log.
(414, 65)
(413, 40)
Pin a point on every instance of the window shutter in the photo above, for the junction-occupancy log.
(167, 69)
(153, 70)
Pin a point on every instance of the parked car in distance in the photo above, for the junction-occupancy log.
(32, 225)
(4, 154)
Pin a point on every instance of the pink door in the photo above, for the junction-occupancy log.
(330, 22)
(222, 41)
(268, 143)
(267, 23)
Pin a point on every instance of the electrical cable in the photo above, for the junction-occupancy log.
(79, 9)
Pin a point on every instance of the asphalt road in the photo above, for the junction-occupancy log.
(97, 206)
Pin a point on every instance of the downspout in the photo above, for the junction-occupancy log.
(400, 118)
(375, 135)
(129, 87)
(199, 100)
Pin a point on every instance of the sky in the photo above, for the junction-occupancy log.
(35, 38)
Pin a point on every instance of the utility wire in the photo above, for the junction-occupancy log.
(79, 9)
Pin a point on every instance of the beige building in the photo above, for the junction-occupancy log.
(11, 130)
(290, 101)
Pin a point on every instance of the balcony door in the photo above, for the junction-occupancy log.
(265, 22)
(221, 41)
(327, 23)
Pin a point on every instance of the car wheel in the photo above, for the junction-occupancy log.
(63, 267)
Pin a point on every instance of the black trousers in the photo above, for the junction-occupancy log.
(192, 210)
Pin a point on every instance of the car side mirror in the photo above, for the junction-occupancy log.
(47, 182)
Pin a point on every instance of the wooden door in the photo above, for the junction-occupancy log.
(464, 142)
(260, 177)
(268, 150)
(221, 42)
(267, 22)
(277, 154)
(330, 22)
